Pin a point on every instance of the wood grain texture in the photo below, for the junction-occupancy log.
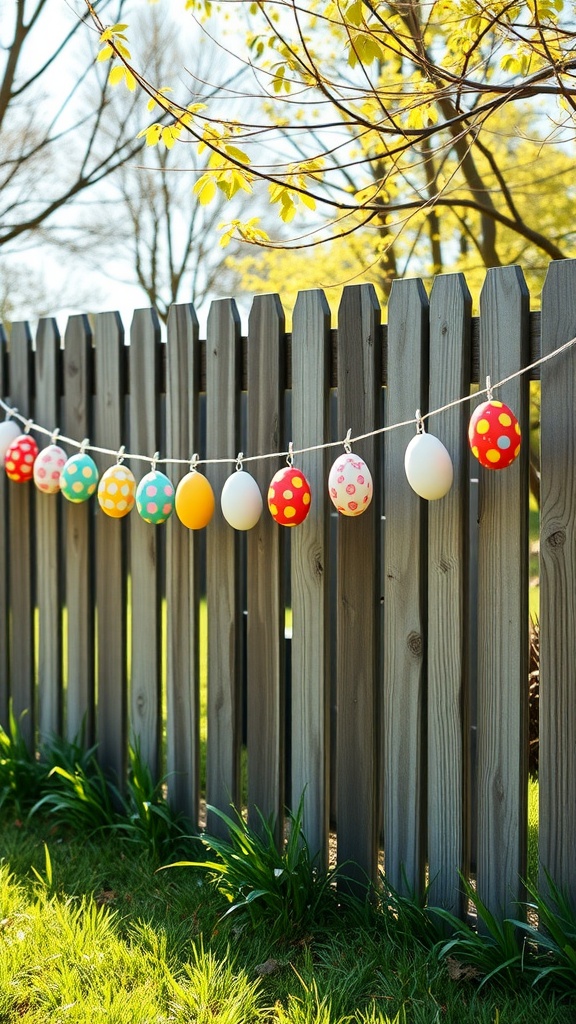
(145, 540)
(20, 548)
(358, 591)
(310, 576)
(47, 538)
(111, 562)
(265, 582)
(448, 698)
(4, 515)
(182, 582)
(557, 756)
(503, 610)
(79, 540)
(223, 566)
(404, 597)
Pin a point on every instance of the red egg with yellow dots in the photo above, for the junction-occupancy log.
(494, 435)
(289, 497)
(20, 457)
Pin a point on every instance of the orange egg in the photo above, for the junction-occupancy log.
(194, 501)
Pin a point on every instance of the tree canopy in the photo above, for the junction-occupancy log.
(400, 117)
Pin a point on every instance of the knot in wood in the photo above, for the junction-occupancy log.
(414, 643)
(556, 539)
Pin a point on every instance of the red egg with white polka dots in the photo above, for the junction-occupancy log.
(289, 497)
(20, 458)
(494, 435)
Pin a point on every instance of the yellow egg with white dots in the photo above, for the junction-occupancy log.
(116, 491)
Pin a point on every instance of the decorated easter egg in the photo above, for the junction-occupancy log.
(194, 501)
(79, 478)
(289, 496)
(116, 491)
(428, 467)
(9, 431)
(19, 458)
(48, 467)
(241, 501)
(350, 484)
(155, 497)
(494, 435)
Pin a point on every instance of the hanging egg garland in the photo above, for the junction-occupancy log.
(428, 467)
(289, 496)
(20, 457)
(9, 431)
(241, 501)
(155, 497)
(350, 484)
(79, 478)
(116, 491)
(48, 468)
(194, 500)
(494, 435)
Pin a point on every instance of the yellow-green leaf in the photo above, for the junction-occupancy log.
(116, 75)
(205, 189)
(105, 53)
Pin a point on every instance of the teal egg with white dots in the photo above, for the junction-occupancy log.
(155, 498)
(79, 478)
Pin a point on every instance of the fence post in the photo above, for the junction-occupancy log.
(4, 558)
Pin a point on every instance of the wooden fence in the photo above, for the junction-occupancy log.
(398, 631)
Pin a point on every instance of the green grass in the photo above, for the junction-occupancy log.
(89, 931)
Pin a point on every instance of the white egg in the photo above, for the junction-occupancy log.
(9, 431)
(241, 501)
(350, 484)
(48, 468)
(428, 467)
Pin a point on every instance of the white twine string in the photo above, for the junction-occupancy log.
(346, 443)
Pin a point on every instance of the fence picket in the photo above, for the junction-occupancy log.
(265, 652)
(310, 573)
(182, 573)
(224, 607)
(448, 695)
(404, 596)
(20, 549)
(358, 592)
(79, 541)
(557, 755)
(111, 576)
(47, 537)
(145, 541)
(503, 609)
(4, 596)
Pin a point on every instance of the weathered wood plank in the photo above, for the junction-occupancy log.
(448, 697)
(182, 581)
(557, 754)
(265, 628)
(146, 618)
(4, 597)
(79, 541)
(111, 562)
(310, 684)
(404, 596)
(503, 609)
(224, 606)
(358, 606)
(20, 548)
(47, 539)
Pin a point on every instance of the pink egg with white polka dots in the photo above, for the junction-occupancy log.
(20, 458)
(350, 485)
(48, 466)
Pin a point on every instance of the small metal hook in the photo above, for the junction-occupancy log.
(290, 456)
(194, 462)
(239, 462)
(347, 447)
(28, 426)
(55, 435)
(419, 422)
(84, 445)
(154, 460)
(120, 455)
(488, 389)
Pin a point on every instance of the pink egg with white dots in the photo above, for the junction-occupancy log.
(20, 458)
(48, 467)
(350, 485)
(155, 497)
